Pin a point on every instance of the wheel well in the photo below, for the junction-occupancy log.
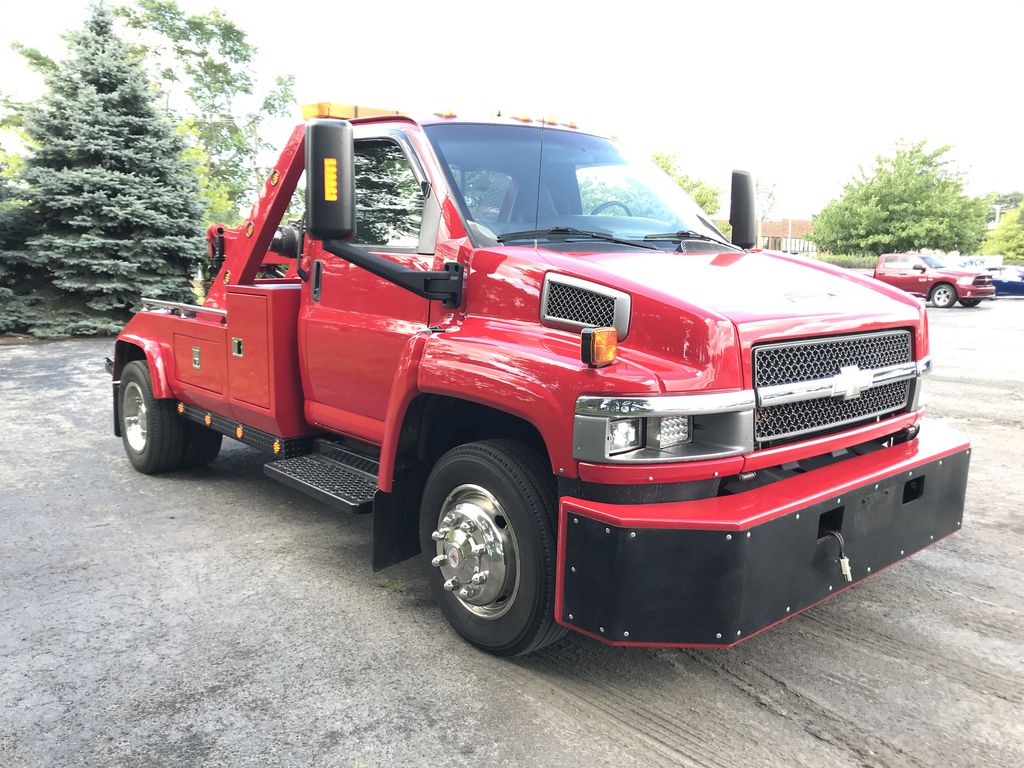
(434, 424)
(942, 282)
(124, 353)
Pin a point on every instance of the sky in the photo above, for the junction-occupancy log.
(800, 94)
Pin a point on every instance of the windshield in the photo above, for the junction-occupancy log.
(518, 182)
(932, 262)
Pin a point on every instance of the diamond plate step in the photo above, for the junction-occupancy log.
(330, 480)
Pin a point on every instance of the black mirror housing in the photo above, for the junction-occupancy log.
(741, 210)
(330, 180)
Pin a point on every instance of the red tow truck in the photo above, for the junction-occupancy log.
(541, 368)
(928, 277)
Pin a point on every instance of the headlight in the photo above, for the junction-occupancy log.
(623, 435)
(969, 280)
(663, 427)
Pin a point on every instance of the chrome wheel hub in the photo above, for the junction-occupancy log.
(942, 295)
(476, 551)
(133, 410)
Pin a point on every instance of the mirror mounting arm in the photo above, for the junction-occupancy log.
(444, 286)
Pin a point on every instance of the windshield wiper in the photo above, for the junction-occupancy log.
(685, 234)
(570, 232)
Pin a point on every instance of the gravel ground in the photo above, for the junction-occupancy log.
(214, 617)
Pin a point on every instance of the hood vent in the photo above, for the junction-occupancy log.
(571, 303)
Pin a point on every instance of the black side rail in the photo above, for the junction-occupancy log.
(445, 286)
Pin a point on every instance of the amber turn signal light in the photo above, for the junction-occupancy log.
(599, 346)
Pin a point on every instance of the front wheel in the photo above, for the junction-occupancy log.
(970, 302)
(487, 534)
(943, 296)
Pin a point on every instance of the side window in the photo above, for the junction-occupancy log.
(389, 201)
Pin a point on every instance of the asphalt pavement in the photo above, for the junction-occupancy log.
(214, 617)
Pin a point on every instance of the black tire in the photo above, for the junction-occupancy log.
(942, 295)
(524, 487)
(970, 302)
(202, 445)
(163, 435)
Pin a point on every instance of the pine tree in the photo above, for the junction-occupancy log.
(15, 287)
(116, 209)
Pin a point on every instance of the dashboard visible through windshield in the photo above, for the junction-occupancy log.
(524, 182)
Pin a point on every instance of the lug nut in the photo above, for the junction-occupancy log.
(478, 549)
(467, 526)
(466, 592)
(440, 560)
(479, 578)
(440, 534)
(451, 584)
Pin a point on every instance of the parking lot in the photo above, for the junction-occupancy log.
(215, 617)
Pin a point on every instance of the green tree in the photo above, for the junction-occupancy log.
(15, 296)
(706, 196)
(908, 201)
(114, 206)
(1008, 237)
(203, 64)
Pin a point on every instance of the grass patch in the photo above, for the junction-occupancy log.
(848, 261)
(394, 585)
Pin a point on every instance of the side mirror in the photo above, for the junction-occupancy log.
(741, 210)
(330, 180)
(920, 267)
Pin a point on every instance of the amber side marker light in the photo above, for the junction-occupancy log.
(330, 179)
(239, 433)
(598, 346)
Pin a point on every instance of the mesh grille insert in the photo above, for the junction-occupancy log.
(577, 305)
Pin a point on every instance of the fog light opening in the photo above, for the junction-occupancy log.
(830, 522)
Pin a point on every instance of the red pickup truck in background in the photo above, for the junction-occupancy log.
(924, 275)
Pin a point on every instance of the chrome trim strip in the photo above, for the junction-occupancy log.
(181, 307)
(665, 405)
(621, 299)
(834, 386)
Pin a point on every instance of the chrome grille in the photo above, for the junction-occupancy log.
(777, 422)
(821, 358)
(983, 280)
(801, 361)
(577, 305)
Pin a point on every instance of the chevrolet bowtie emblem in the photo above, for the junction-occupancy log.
(851, 381)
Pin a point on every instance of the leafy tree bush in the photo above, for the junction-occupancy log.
(114, 208)
(1008, 237)
(909, 201)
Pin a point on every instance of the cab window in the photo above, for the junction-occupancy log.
(389, 200)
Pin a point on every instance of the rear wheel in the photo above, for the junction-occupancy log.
(943, 296)
(970, 302)
(201, 445)
(151, 431)
(487, 534)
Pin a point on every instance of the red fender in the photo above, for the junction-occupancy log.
(159, 358)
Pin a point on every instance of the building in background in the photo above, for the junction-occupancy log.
(788, 235)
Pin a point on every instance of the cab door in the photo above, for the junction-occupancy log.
(354, 326)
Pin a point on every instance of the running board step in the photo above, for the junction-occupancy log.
(334, 481)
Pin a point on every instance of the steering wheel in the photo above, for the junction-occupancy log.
(609, 204)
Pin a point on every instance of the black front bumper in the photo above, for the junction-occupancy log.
(646, 576)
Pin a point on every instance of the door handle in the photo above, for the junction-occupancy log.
(318, 278)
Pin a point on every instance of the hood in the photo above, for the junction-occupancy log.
(955, 273)
(760, 292)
